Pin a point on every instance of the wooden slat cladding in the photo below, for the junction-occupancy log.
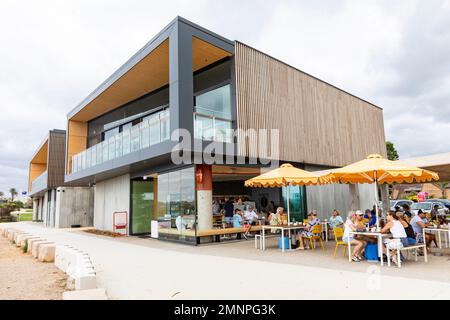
(56, 159)
(318, 123)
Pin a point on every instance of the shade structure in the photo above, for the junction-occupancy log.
(376, 169)
(285, 176)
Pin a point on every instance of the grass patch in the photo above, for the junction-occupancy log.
(25, 217)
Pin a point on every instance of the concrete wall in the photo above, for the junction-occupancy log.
(74, 206)
(44, 200)
(111, 196)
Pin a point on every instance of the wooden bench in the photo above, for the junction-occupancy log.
(415, 247)
(216, 233)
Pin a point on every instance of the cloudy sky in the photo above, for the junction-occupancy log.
(395, 54)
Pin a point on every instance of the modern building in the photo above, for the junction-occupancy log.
(123, 137)
(53, 203)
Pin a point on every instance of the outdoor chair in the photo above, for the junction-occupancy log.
(316, 234)
(338, 234)
(414, 248)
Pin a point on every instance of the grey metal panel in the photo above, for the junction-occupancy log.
(181, 88)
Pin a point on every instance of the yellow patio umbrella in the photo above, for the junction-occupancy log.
(285, 176)
(376, 169)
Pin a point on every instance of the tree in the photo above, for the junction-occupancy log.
(13, 193)
(391, 151)
(1, 194)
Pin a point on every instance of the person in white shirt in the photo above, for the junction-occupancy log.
(349, 226)
(395, 227)
(251, 216)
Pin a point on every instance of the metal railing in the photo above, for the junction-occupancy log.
(211, 125)
(152, 130)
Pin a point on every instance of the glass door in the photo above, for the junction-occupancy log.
(142, 204)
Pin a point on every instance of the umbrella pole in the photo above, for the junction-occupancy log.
(376, 200)
(289, 215)
(288, 203)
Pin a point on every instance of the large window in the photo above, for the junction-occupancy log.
(213, 118)
(176, 204)
(141, 205)
(297, 202)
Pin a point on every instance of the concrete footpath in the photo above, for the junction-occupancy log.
(132, 271)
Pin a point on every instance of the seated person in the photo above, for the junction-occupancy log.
(395, 227)
(312, 221)
(361, 226)
(237, 218)
(418, 223)
(251, 216)
(359, 245)
(411, 236)
(435, 216)
(275, 218)
(371, 217)
(335, 219)
(407, 210)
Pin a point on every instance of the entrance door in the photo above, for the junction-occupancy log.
(142, 204)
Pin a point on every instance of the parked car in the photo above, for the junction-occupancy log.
(427, 207)
(445, 202)
(400, 203)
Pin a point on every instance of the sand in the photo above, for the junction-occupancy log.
(25, 278)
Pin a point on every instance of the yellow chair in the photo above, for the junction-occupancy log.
(316, 234)
(338, 234)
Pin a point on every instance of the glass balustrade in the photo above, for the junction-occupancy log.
(152, 130)
(212, 126)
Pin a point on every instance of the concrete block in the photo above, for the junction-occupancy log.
(25, 240)
(31, 241)
(46, 252)
(85, 282)
(93, 294)
(19, 238)
(12, 233)
(78, 267)
(35, 247)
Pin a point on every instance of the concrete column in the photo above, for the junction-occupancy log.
(354, 197)
(35, 209)
(203, 177)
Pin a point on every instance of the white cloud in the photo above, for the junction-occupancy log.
(393, 53)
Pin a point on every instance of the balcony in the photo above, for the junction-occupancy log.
(151, 131)
(40, 183)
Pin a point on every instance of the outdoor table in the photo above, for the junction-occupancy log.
(282, 228)
(446, 232)
(380, 237)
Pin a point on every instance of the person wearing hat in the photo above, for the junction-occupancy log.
(361, 226)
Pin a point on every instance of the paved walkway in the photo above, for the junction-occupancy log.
(133, 268)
